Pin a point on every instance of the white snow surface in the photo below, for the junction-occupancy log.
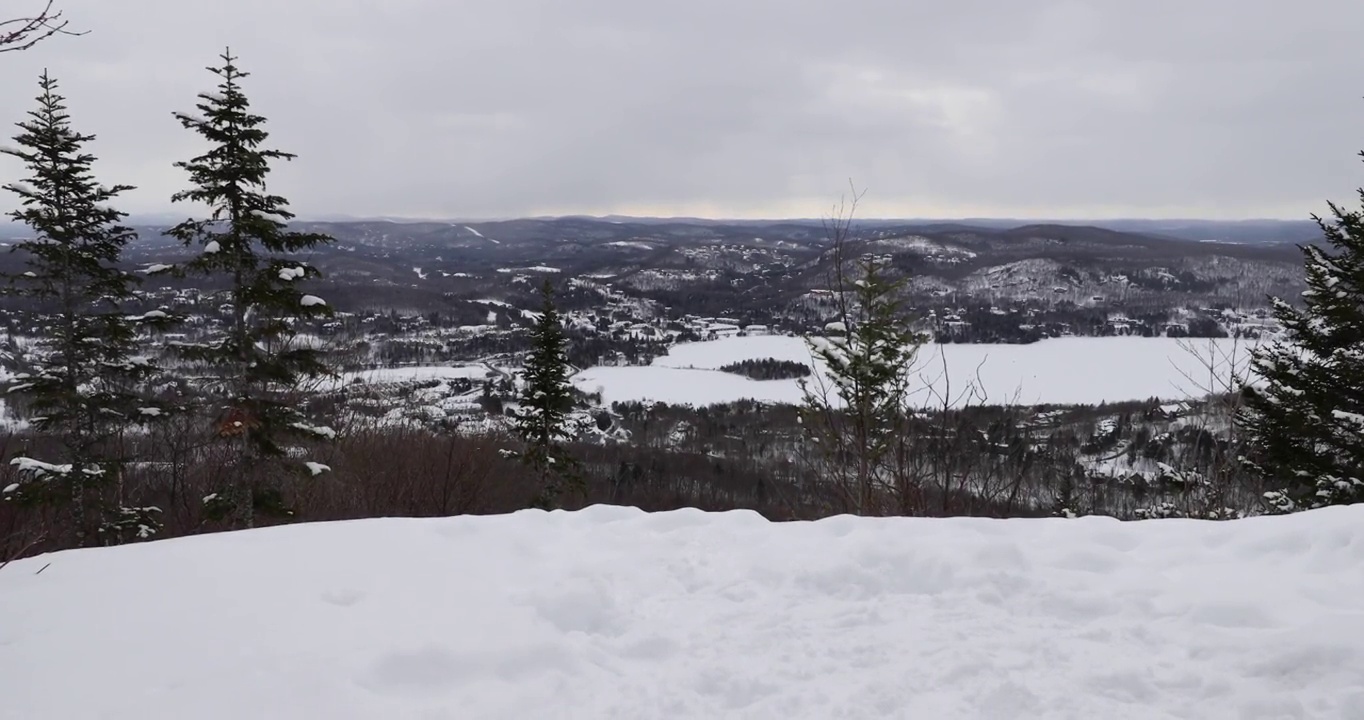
(614, 613)
(1060, 370)
(531, 269)
(481, 235)
(413, 373)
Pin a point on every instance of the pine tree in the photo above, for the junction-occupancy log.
(855, 413)
(88, 383)
(1304, 426)
(255, 367)
(542, 421)
(857, 416)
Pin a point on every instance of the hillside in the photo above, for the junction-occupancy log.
(613, 613)
(763, 272)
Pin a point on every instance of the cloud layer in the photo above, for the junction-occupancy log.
(736, 108)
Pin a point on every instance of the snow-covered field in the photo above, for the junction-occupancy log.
(417, 372)
(1061, 371)
(612, 613)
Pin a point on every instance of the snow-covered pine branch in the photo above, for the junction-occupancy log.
(190, 119)
(318, 431)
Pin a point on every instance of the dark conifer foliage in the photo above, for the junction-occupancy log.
(542, 422)
(85, 384)
(768, 369)
(1305, 423)
(254, 365)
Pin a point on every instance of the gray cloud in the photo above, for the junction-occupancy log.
(494, 108)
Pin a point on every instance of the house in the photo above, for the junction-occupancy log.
(719, 330)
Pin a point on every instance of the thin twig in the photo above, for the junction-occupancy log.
(24, 32)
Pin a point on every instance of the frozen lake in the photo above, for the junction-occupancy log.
(1059, 371)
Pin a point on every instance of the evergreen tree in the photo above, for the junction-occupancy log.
(254, 364)
(854, 413)
(542, 420)
(857, 416)
(1304, 426)
(87, 382)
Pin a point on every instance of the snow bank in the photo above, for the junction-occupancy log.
(611, 613)
(1059, 371)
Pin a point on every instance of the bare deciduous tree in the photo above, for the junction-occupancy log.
(22, 33)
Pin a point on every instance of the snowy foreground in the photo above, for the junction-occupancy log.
(1079, 370)
(611, 613)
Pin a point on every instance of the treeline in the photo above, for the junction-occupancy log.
(768, 369)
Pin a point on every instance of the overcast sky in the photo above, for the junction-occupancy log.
(735, 108)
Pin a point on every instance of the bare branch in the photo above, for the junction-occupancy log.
(22, 33)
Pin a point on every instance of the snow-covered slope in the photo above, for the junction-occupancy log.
(611, 613)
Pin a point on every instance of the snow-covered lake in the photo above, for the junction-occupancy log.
(613, 613)
(1060, 371)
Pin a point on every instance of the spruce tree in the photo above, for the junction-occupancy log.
(87, 383)
(254, 366)
(1304, 424)
(542, 422)
(855, 414)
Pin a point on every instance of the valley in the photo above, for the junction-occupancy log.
(1068, 367)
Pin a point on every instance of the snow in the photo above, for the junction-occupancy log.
(156, 268)
(319, 430)
(190, 118)
(311, 300)
(481, 235)
(631, 244)
(1060, 370)
(420, 274)
(293, 273)
(1349, 417)
(531, 269)
(20, 188)
(212, 247)
(37, 468)
(528, 314)
(416, 373)
(317, 468)
(614, 613)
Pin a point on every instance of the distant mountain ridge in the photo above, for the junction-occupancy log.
(1250, 231)
(1240, 232)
